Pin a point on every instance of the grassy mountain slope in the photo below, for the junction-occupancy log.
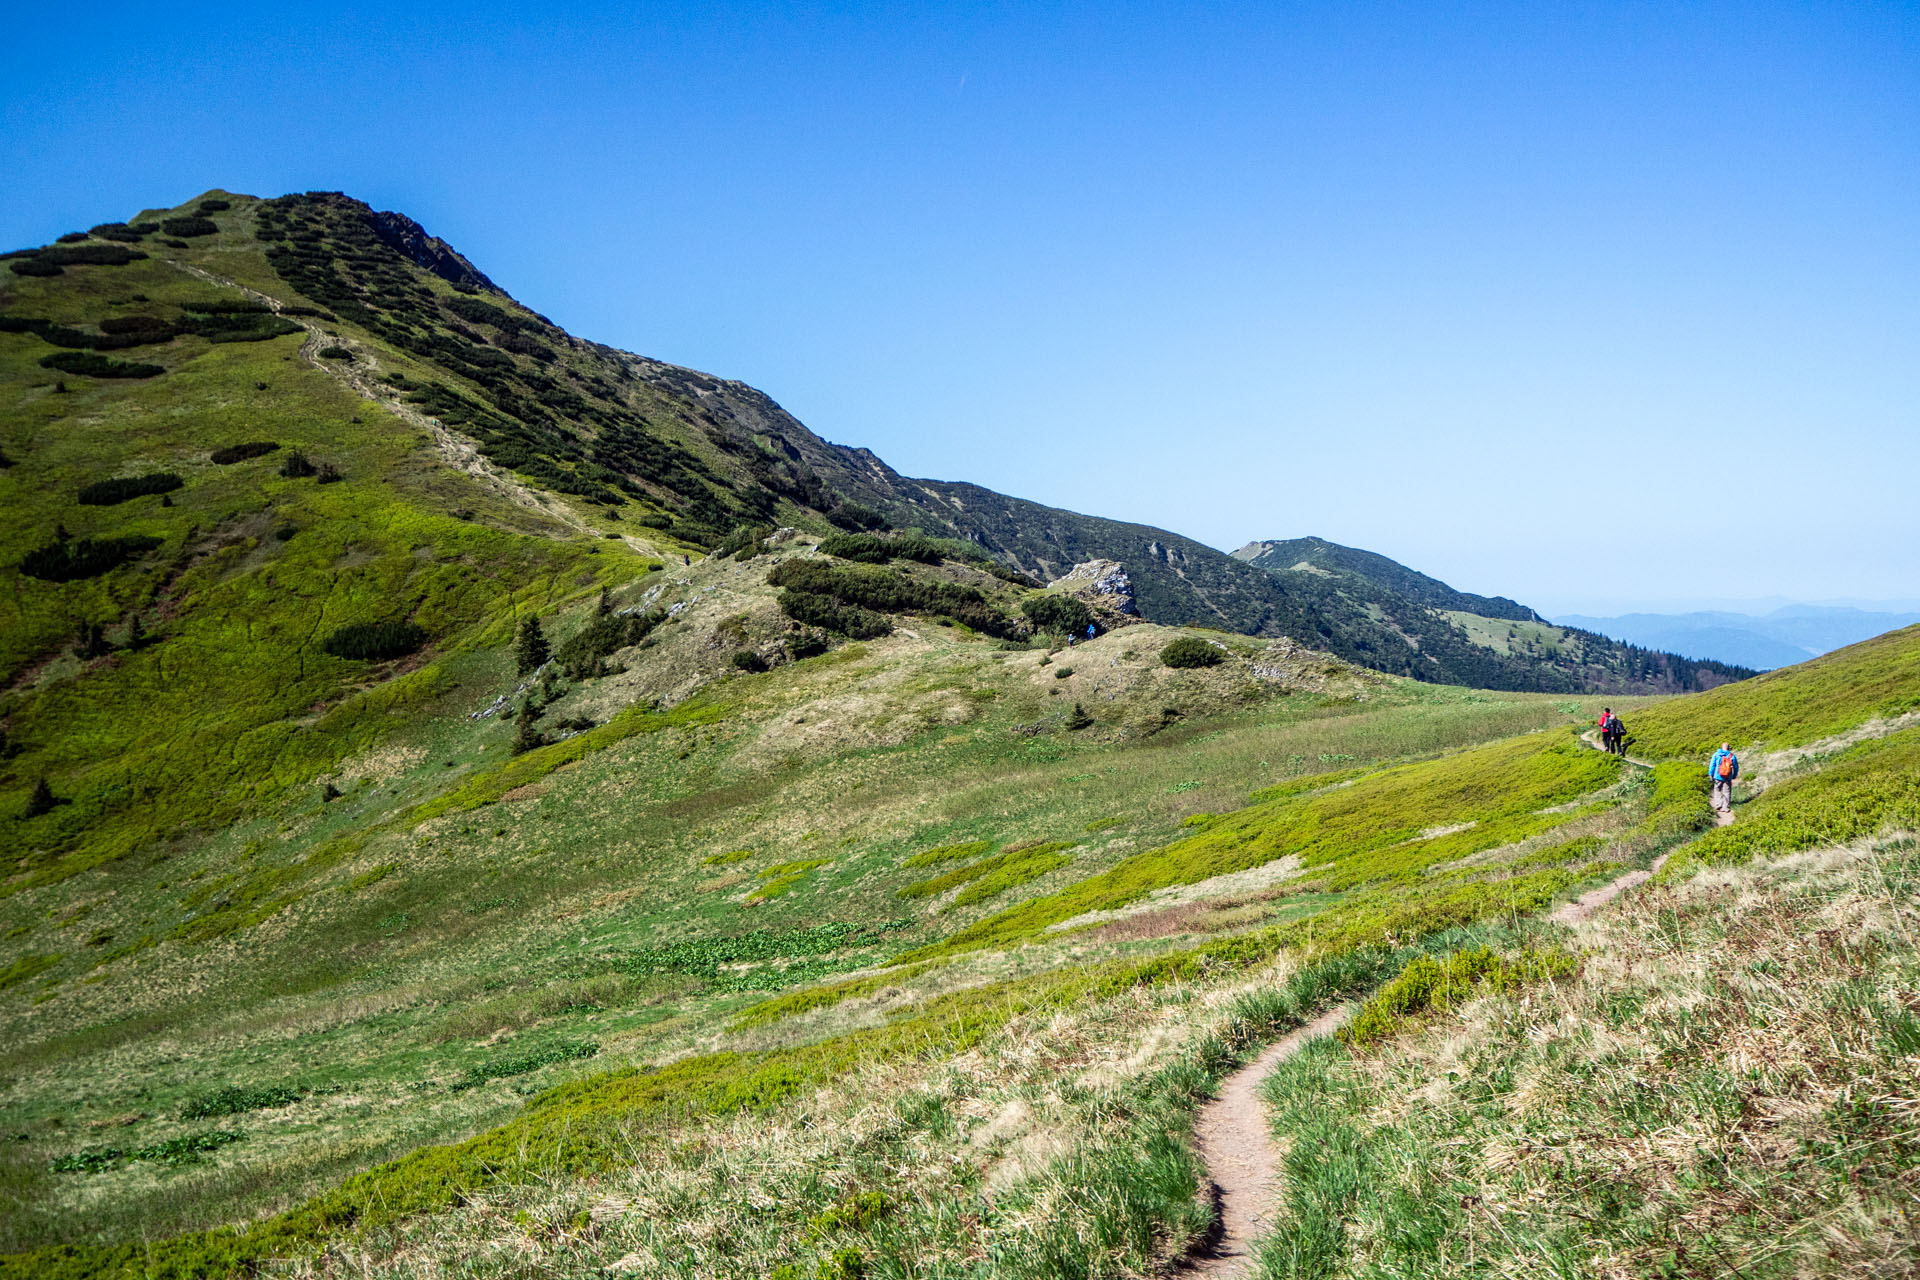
(1501, 642)
(921, 947)
(1000, 971)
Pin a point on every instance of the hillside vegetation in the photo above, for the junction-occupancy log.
(538, 842)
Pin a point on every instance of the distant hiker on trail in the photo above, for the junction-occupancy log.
(1617, 736)
(1606, 730)
(1722, 770)
(1089, 631)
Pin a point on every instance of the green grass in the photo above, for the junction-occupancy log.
(1791, 706)
(1709, 1096)
(1869, 790)
(990, 877)
(1345, 837)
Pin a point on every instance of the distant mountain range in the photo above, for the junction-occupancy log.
(1777, 639)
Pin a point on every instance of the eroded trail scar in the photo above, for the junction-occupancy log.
(1241, 1161)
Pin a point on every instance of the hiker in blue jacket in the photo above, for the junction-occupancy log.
(1721, 771)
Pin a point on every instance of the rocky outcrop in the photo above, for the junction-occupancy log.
(1104, 587)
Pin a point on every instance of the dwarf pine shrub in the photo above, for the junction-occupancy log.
(372, 641)
(226, 457)
(1191, 651)
(108, 493)
(92, 365)
(193, 225)
(1062, 615)
(64, 561)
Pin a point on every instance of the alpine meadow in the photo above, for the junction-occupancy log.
(477, 802)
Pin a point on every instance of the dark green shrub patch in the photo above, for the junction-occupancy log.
(189, 226)
(108, 493)
(876, 548)
(520, 1064)
(227, 307)
(827, 613)
(226, 457)
(50, 260)
(806, 644)
(122, 232)
(749, 661)
(174, 1151)
(581, 655)
(298, 466)
(875, 591)
(744, 542)
(233, 1100)
(853, 517)
(64, 561)
(214, 206)
(374, 640)
(335, 352)
(1062, 615)
(1191, 651)
(98, 366)
(144, 330)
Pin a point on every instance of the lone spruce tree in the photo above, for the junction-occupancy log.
(526, 737)
(530, 650)
(41, 800)
(605, 606)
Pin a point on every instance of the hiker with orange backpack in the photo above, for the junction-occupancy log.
(1721, 771)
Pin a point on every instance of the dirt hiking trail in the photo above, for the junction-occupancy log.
(1241, 1163)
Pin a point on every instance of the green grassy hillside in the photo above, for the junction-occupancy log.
(791, 900)
(689, 894)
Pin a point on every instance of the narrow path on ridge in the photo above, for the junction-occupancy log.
(458, 451)
(1231, 1131)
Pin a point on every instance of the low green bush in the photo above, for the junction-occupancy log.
(1191, 651)
(63, 561)
(214, 206)
(1061, 615)
(98, 366)
(233, 1100)
(373, 641)
(335, 352)
(190, 226)
(749, 661)
(858, 592)
(230, 454)
(109, 493)
(1438, 984)
(520, 1064)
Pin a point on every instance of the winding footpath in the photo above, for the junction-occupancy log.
(1231, 1131)
(1242, 1165)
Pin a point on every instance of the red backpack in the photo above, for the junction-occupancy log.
(1726, 765)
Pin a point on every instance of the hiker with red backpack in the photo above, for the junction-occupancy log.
(1611, 731)
(1721, 771)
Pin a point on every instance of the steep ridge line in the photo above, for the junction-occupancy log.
(458, 452)
(1231, 1133)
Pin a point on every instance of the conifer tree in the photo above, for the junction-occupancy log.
(41, 801)
(136, 634)
(92, 642)
(606, 603)
(530, 650)
(526, 737)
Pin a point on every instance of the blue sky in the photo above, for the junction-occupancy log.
(1596, 306)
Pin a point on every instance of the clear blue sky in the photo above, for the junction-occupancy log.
(1590, 305)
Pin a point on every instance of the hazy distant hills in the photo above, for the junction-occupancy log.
(1777, 639)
